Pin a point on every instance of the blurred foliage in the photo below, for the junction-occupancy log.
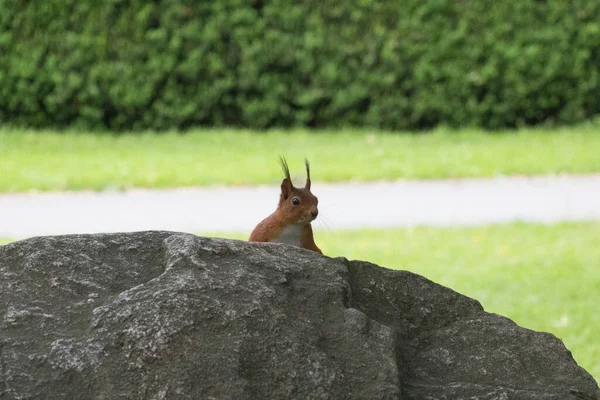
(165, 64)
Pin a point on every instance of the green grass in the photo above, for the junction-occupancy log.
(545, 278)
(32, 160)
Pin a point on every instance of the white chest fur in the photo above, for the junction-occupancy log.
(291, 234)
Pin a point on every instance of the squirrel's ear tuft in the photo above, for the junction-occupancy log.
(286, 186)
(307, 186)
(286, 169)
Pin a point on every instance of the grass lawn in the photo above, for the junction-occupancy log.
(545, 278)
(80, 160)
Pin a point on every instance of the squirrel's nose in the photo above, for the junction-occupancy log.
(314, 213)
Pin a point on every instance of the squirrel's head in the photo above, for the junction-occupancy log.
(297, 205)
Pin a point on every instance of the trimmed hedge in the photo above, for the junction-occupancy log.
(260, 63)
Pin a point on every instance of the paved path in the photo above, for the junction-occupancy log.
(405, 203)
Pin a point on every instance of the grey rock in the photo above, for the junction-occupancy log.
(164, 315)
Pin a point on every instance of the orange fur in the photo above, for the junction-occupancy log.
(308, 241)
(268, 228)
(290, 223)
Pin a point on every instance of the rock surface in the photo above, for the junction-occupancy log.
(163, 315)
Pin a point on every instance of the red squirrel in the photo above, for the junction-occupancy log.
(290, 223)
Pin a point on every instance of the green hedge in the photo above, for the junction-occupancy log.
(259, 63)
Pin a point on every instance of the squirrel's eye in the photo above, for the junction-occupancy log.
(295, 201)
